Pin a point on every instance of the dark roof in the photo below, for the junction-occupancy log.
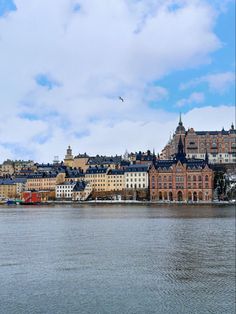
(80, 186)
(115, 171)
(136, 168)
(99, 160)
(190, 163)
(42, 175)
(74, 174)
(224, 132)
(94, 170)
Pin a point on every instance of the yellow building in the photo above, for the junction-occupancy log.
(96, 176)
(44, 181)
(7, 189)
(115, 180)
(105, 179)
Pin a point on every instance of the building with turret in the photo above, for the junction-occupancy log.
(69, 159)
(181, 179)
(220, 145)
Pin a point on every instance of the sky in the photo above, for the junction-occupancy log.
(65, 63)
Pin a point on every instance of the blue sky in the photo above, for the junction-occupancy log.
(64, 65)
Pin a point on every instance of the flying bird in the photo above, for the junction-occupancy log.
(121, 99)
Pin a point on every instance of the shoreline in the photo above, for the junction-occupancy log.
(127, 202)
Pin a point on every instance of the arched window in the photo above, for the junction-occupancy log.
(165, 196)
(199, 178)
(160, 196)
(194, 178)
(206, 178)
(180, 196)
(189, 196)
(189, 178)
(200, 196)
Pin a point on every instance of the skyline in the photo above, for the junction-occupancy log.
(64, 65)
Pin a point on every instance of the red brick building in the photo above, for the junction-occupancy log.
(181, 179)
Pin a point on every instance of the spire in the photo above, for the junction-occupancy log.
(180, 146)
(206, 157)
(180, 120)
(154, 158)
(232, 126)
(180, 154)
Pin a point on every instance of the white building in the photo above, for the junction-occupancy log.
(136, 177)
(64, 190)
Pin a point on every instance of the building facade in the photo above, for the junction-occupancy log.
(136, 177)
(181, 179)
(220, 145)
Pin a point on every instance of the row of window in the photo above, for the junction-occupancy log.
(135, 186)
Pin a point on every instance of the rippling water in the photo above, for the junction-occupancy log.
(117, 259)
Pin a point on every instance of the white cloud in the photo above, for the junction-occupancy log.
(103, 51)
(219, 82)
(194, 98)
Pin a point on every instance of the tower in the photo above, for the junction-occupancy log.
(68, 160)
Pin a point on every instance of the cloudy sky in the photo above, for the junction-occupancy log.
(64, 64)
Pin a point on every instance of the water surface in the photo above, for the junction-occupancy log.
(117, 259)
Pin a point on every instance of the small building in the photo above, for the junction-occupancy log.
(31, 197)
(136, 177)
(7, 188)
(64, 190)
(81, 191)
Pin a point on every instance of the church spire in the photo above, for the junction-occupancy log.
(180, 120)
(180, 154)
(206, 157)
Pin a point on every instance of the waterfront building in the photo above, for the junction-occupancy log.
(220, 145)
(81, 191)
(97, 178)
(136, 176)
(181, 179)
(64, 190)
(7, 188)
(115, 180)
(20, 185)
(44, 181)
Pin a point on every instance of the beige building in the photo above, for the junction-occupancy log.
(7, 168)
(7, 189)
(115, 180)
(81, 161)
(81, 191)
(44, 181)
(96, 176)
(220, 145)
(105, 179)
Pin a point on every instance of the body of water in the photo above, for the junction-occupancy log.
(117, 259)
